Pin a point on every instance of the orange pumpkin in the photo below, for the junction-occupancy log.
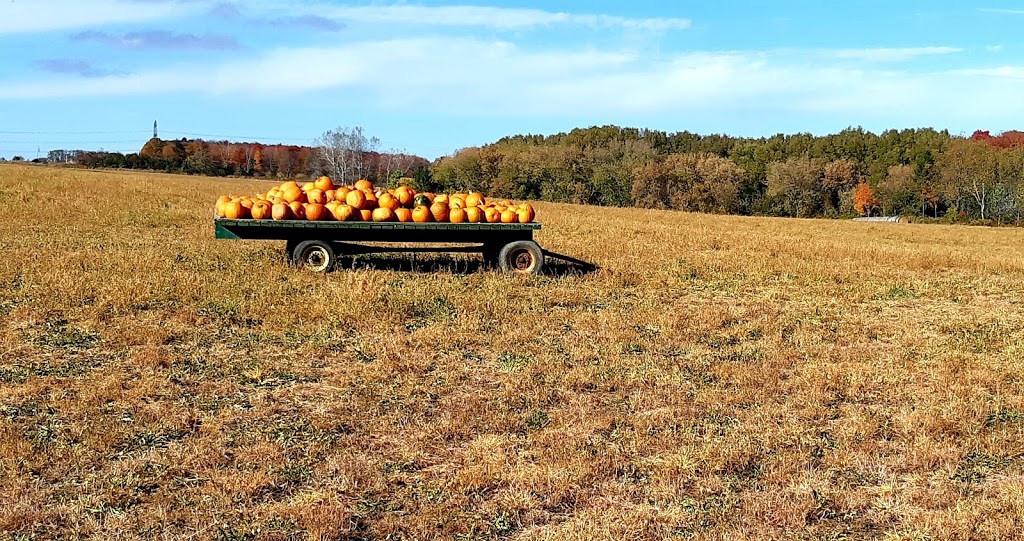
(526, 214)
(457, 215)
(509, 216)
(440, 198)
(474, 215)
(439, 210)
(405, 195)
(298, 211)
(371, 199)
(363, 184)
(422, 215)
(366, 215)
(223, 200)
(330, 195)
(403, 214)
(383, 214)
(281, 211)
(341, 193)
(475, 200)
(316, 195)
(389, 202)
(235, 211)
(356, 199)
(260, 210)
(293, 194)
(491, 215)
(316, 212)
(343, 212)
(323, 183)
(456, 203)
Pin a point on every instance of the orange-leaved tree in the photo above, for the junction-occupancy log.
(864, 199)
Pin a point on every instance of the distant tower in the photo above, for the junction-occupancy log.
(154, 130)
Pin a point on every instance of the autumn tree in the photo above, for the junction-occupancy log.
(864, 199)
(838, 176)
(968, 169)
(797, 185)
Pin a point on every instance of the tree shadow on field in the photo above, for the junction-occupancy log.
(454, 264)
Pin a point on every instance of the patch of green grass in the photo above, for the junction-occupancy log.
(1003, 415)
(897, 292)
(975, 466)
(515, 362)
(56, 333)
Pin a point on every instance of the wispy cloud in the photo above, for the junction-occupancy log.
(494, 17)
(159, 39)
(892, 54)
(76, 67)
(24, 17)
(228, 10)
(307, 21)
(460, 76)
(1002, 11)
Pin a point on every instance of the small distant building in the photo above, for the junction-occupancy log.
(890, 219)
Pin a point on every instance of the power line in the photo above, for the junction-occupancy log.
(253, 137)
(31, 151)
(70, 132)
(73, 142)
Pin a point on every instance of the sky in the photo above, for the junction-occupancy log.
(430, 77)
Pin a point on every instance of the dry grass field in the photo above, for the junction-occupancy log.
(718, 378)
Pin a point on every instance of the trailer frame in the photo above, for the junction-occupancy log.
(317, 244)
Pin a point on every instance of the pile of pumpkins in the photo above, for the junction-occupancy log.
(322, 200)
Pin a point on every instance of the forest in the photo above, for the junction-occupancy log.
(913, 172)
(355, 156)
(924, 173)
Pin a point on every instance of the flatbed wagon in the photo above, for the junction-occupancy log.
(317, 245)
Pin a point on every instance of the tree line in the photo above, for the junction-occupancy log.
(913, 172)
(342, 154)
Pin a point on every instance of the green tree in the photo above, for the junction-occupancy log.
(796, 185)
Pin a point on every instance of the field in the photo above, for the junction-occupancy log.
(718, 378)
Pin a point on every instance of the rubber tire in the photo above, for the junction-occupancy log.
(314, 255)
(521, 257)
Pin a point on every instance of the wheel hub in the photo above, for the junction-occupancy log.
(522, 260)
(316, 259)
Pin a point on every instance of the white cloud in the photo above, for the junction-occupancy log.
(1002, 11)
(892, 54)
(26, 17)
(501, 18)
(462, 76)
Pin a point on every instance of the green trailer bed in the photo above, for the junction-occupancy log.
(316, 245)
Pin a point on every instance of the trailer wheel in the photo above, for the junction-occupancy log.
(315, 255)
(521, 257)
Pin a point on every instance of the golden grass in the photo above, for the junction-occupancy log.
(719, 378)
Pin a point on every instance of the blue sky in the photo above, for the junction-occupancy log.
(430, 77)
